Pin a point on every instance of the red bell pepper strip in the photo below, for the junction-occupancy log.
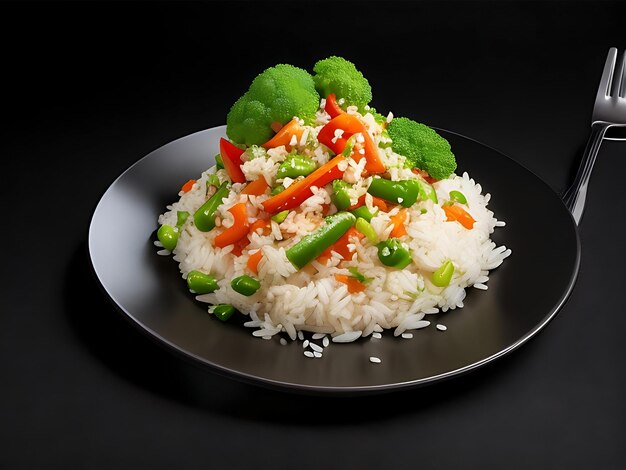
(332, 107)
(351, 125)
(231, 155)
(284, 135)
(254, 260)
(300, 191)
(376, 202)
(238, 230)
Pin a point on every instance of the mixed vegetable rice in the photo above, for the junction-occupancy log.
(323, 215)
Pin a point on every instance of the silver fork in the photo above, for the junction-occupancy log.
(609, 111)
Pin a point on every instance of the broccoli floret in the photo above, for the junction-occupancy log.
(422, 146)
(339, 76)
(276, 95)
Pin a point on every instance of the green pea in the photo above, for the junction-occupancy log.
(219, 162)
(443, 275)
(168, 236)
(280, 217)
(201, 283)
(279, 188)
(458, 196)
(223, 311)
(245, 285)
(366, 229)
(181, 218)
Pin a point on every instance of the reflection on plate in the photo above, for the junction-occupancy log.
(524, 293)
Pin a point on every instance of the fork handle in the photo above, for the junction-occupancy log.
(576, 194)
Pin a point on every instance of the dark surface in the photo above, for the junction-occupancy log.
(148, 288)
(91, 88)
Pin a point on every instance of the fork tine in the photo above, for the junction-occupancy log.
(607, 74)
(622, 78)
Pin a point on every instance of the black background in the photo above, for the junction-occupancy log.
(89, 88)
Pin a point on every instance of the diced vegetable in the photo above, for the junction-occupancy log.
(245, 285)
(398, 224)
(366, 229)
(458, 196)
(256, 187)
(457, 213)
(442, 276)
(213, 180)
(168, 236)
(340, 196)
(185, 188)
(223, 311)
(201, 283)
(350, 125)
(280, 217)
(364, 213)
(231, 158)
(341, 246)
(238, 230)
(354, 285)
(357, 274)
(393, 254)
(219, 163)
(332, 107)
(260, 224)
(296, 165)
(181, 218)
(254, 260)
(204, 217)
(404, 192)
(285, 134)
(314, 244)
(300, 191)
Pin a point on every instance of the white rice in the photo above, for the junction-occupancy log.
(311, 300)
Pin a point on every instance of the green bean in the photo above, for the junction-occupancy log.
(340, 196)
(219, 162)
(403, 192)
(204, 218)
(280, 217)
(442, 276)
(201, 283)
(364, 213)
(223, 311)
(245, 285)
(392, 253)
(168, 236)
(458, 196)
(314, 244)
(366, 229)
(296, 165)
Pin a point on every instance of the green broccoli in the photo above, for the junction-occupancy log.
(339, 76)
(422, 146)
(276, 95)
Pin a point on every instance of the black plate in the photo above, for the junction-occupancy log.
(524, 293)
